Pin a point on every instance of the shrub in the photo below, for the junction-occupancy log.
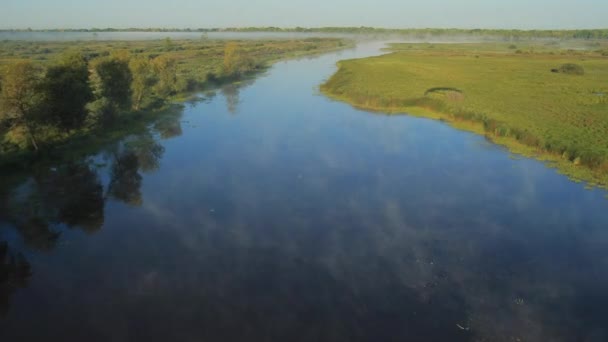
(571, 69)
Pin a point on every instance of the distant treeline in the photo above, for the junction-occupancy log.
(421, 33)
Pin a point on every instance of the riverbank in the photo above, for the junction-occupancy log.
(199, 67)
(516, 96)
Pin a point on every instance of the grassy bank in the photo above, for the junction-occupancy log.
(518, 96)
(200, 65)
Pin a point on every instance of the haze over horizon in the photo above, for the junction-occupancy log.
(516, 14)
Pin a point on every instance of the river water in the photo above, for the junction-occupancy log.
(268, 212)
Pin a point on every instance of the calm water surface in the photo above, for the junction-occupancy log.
(267, 212)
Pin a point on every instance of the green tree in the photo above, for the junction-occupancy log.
(232, 57)
(19, 98)
(66, 92)
(112, 79)
(165, 69)
(143, 80)
(236, 63)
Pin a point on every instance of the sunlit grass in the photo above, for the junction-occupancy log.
(512, 97)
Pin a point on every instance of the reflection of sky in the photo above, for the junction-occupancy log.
(299, 215)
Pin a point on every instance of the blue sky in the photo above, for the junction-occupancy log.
(524, 14)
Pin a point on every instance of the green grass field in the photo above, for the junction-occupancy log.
(506, 92)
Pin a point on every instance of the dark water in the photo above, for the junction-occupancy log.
(269, 213)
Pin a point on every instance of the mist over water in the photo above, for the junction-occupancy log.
(266, 211)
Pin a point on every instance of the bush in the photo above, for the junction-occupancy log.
(571, 69)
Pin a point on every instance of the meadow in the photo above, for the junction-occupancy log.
(526, 97)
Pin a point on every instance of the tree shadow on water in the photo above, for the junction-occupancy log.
(71, 196)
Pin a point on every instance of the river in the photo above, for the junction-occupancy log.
(268, 212)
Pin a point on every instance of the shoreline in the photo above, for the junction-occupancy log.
(576, 173)
(136, 121)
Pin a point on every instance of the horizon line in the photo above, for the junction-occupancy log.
(227, 28)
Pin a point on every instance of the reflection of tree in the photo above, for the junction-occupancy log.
(14, 274)
(148, 153)
(37, 233)
(142, 154)
(77, 194)
(126, 181)
(169, 130)
(72, 196)
(169, 127)
(231, 93)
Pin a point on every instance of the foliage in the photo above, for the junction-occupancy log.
(19, 98)
(165, 69)
(66, 92)
(71, 98)
(572, 69)
(144, 79)
(236, 62)
(232, 58)
(112, 79)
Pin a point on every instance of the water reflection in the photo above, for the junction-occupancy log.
(14, 275)
(140, 154)
(231, 94)
(73, 196)
(300, 220)
(168, 128)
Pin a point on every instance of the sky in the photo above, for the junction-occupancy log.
(520, 14)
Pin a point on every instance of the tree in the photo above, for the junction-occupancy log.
(66, 92)
(231, 59)
(112, 80)
(143, 80)
(19, 98)
(236, 62)
(165, 69)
